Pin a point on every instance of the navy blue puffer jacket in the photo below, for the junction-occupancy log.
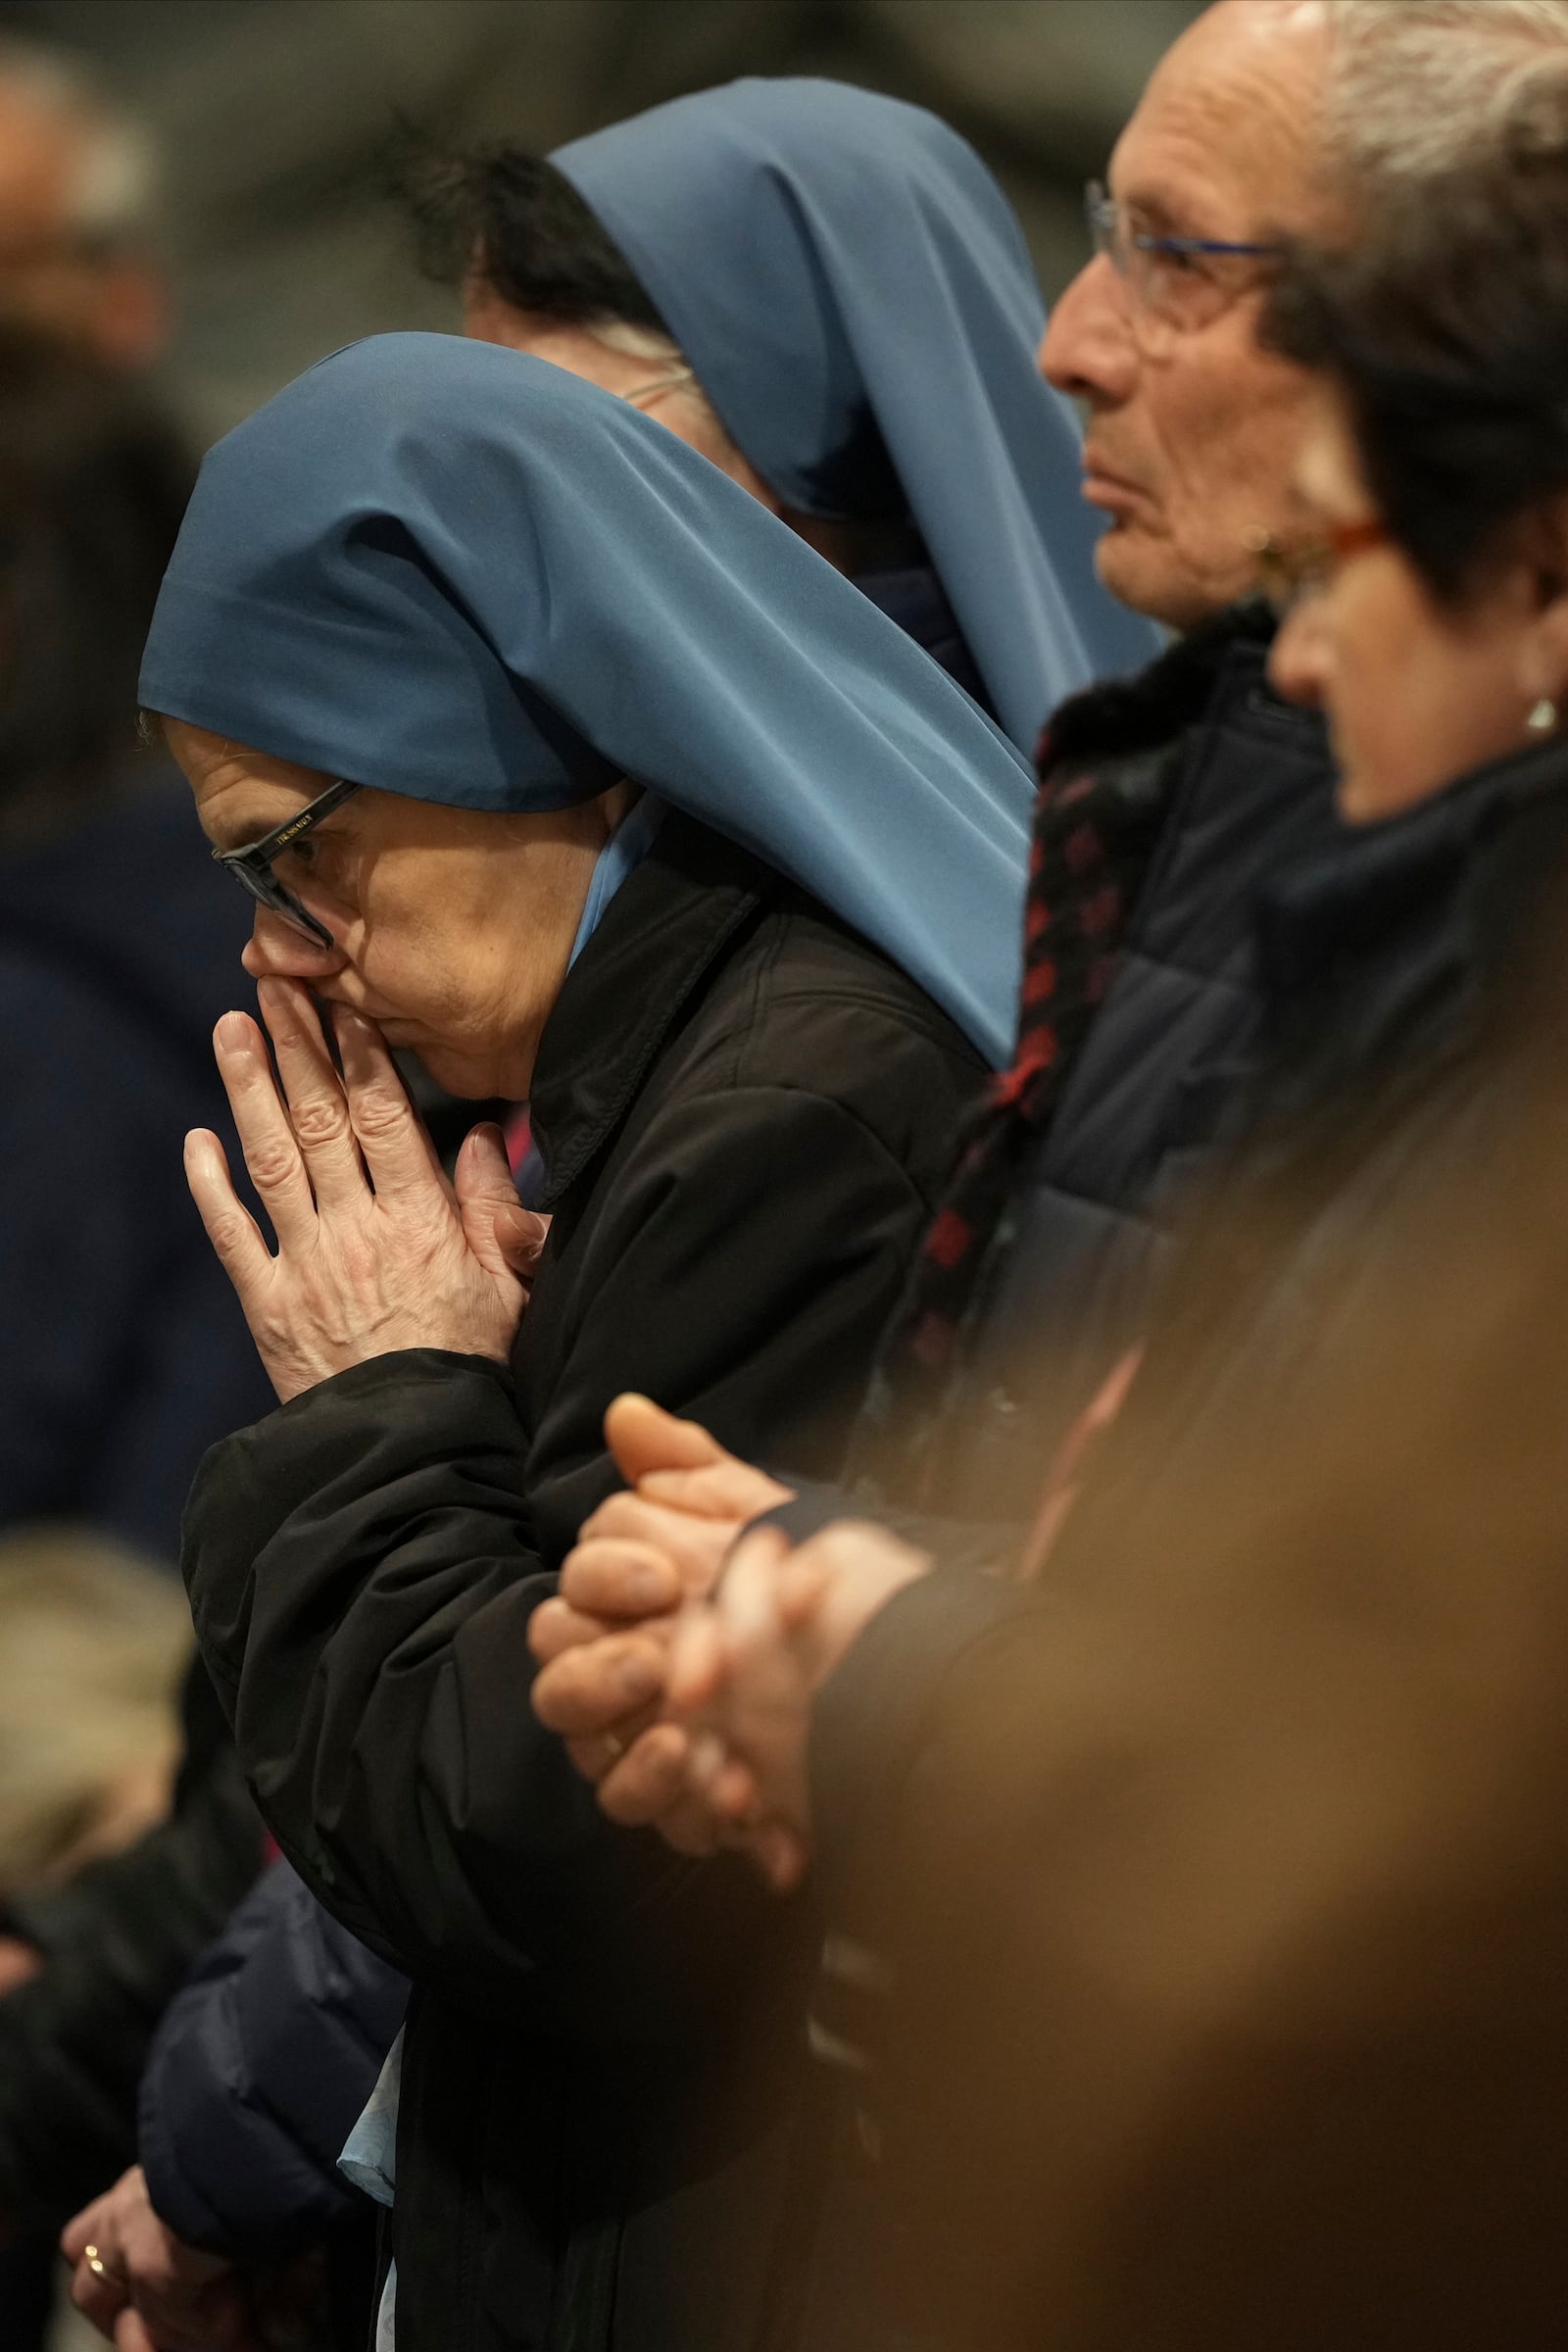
(259, 2071)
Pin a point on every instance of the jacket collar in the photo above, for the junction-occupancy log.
(659, 938)
(1393, 945)
(1144, 711)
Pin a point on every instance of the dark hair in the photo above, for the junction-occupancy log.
(1447, 328)
(93, 483)
(514, 220)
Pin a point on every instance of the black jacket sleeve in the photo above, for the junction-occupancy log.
(363, 1563)
(263, 2063)
(116, 1943)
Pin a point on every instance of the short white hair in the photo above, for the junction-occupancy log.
(114, 198)
(1419, 88)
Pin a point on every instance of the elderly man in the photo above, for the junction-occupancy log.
(1167, 803)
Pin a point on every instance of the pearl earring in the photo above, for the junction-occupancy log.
(1543, 718)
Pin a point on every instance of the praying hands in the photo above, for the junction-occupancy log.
(680, 1665)
(377, 1249)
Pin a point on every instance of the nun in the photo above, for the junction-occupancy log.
(547, 754)
(826, 292)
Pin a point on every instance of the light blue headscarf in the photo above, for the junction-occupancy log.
(850, 286)
(438, 567)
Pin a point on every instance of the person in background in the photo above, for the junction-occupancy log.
(79, 194)
(825, 292)
(93, 1644)
(1212, 1872)
(258, 2073)
(121, 1357)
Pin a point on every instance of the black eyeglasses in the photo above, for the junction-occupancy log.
(252, 865)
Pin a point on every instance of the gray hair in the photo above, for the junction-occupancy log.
(113, 199)
(1420, 88)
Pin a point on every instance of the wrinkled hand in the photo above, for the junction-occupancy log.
(152, 2293)
(413, 1262)
(745, 1669)
(639, 1558)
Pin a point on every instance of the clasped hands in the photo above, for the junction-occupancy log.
(686, 1693)
(377, 1249)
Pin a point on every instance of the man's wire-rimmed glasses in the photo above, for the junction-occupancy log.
(252, 865)
(1181, 281)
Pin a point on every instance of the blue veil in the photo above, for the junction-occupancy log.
(438, 567)
(850, 286)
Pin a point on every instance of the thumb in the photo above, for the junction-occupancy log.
(642, 1437)
(504, 1236)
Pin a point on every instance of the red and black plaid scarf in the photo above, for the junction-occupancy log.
(1088, 856)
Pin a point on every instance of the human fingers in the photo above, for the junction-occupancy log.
(799, 1589)
(780, 1853)
(504, 1236)
(696, 1666)
(267, 1139)
(647, 1778)
(85, 2227)
(99, 2290)
(556, 1626)
(642, 1437)
(387, 1129)
(237, 1241)
(590, 1689)
(596, 1753)
(317, 1106)
(606, 1577)
(132, 2333)
(648, 1789)
(726, 1489)
(696, 1547)
(723, 1781)
(746, 1601)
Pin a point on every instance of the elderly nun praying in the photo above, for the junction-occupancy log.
(549, 755)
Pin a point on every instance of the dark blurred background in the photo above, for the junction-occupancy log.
(270, 115)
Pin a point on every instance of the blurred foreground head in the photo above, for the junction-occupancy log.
(78, 194)
(1423, 573)
(92, 1648)
(1232, 1974)
(93, 482)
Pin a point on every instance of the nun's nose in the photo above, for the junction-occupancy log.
(276, 951)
